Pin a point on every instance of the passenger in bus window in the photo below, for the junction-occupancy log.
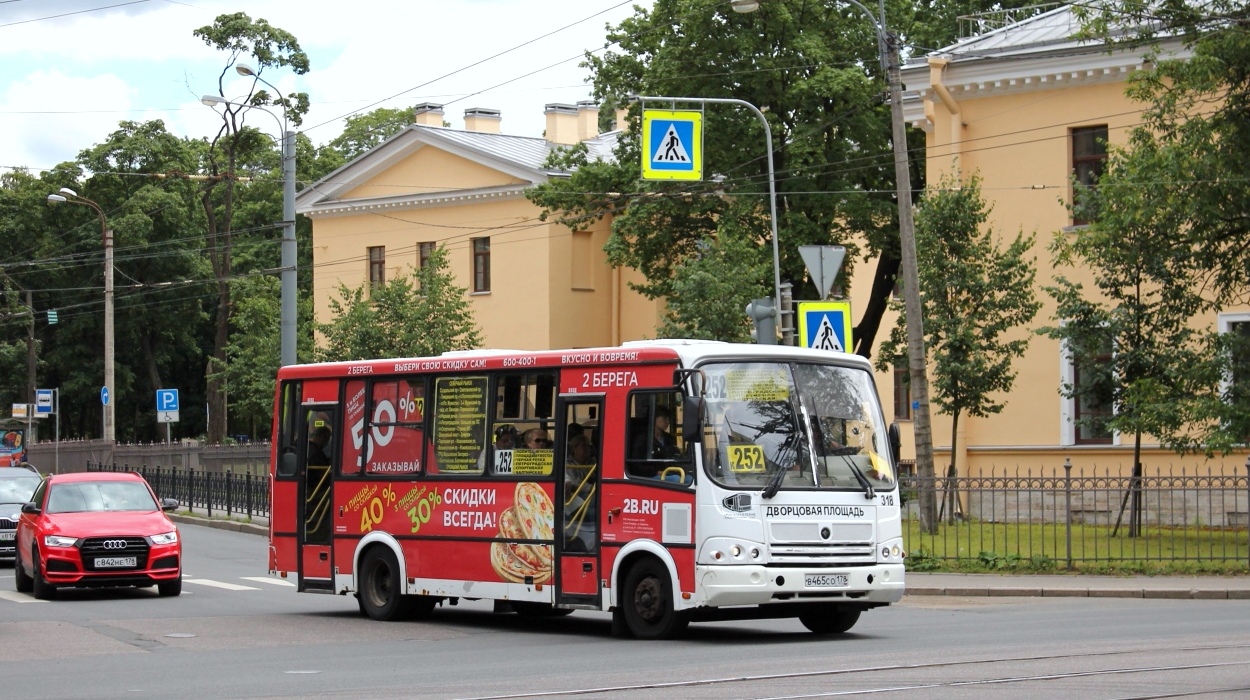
(319, 447)
(579, 489)
(661, 445)
(505, 439)
(536, 439)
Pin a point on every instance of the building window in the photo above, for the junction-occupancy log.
(377, 266)
(1236, 385)
(1089, 160)
(1092, 404)
(423, 253)
(902, 389)
(481, 264)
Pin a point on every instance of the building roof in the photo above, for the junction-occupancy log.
(521, 157)
(1034, 54)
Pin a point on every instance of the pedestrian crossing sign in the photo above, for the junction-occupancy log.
(825, 325)
(672, 144)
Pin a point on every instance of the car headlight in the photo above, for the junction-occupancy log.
(58, 541)
(165, 538)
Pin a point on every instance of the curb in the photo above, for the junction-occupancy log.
(219, 524)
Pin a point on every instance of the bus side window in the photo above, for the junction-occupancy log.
(653, 450)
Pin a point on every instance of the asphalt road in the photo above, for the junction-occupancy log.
(235, 633)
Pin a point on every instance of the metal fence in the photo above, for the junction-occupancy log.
(1066, 519)
(208, 490)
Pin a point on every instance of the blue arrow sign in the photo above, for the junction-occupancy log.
(167, 399)
(104, 395)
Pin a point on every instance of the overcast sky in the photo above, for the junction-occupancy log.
(74, 68)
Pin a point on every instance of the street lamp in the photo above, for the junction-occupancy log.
(289, 288)
(107, 397)
(887, 49)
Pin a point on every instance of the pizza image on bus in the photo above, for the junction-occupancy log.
(531, 517)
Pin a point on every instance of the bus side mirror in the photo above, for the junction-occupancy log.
(896, 442)
(691, 419)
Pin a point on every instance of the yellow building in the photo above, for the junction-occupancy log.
(1025, 107)
(533, 285)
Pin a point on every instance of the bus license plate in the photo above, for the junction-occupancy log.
(114, 562)
(826, 581)
(9, 536)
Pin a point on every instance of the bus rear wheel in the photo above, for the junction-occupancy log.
(830, 620)
(647, 600)
(381, 586)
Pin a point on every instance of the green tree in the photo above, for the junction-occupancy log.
(417, 315)
(1169, 231)
(975, 294)
(711, 289)
(235, 147)
(813, 68)
(253, 354)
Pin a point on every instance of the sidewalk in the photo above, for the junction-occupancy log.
(1080, 586)
(958, 585)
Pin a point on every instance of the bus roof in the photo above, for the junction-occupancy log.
(684, 351)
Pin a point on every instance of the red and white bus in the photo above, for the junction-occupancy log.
(666, 481)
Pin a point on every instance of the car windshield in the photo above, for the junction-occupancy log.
(18, 489)
(794, 425)
(99, 496)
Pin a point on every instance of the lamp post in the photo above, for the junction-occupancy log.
(289, 250)
(887, 50)
(107, 396)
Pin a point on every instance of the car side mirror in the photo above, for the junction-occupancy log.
(169, 504)
(31, 508)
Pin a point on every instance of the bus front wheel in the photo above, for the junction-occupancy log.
(647, 600)
(381, 586)
(830, 620)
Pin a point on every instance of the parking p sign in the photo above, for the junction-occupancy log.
(167, 405)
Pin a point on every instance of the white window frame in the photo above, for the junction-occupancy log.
(1225, 322)
(1067, 406)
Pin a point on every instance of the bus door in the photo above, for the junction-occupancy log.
(576, 468)
(314, 509)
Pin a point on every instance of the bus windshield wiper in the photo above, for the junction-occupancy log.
(869, 493)
(774, 484)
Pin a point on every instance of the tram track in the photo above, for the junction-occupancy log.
(728, 682)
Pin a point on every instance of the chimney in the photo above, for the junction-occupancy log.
(622, 118)
(587, 119)
(482, 119)
(561, 123)
(428, 114)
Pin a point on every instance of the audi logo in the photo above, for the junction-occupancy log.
(113, 544)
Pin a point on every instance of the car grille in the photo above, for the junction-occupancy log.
(6, 524)
(93, 547)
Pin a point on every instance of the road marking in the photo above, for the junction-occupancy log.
(219, 584)
(268, 580)
(19, 597)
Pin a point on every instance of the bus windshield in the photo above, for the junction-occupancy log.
(794, 425)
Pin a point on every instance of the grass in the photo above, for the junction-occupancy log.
(983, 547)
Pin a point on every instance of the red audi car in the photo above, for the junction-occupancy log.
(97, 529)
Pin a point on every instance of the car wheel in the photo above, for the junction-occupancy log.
(830, 620)
(23, 580)
(381, 586)
(648, 602)
(169, 589)
(43, 589)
